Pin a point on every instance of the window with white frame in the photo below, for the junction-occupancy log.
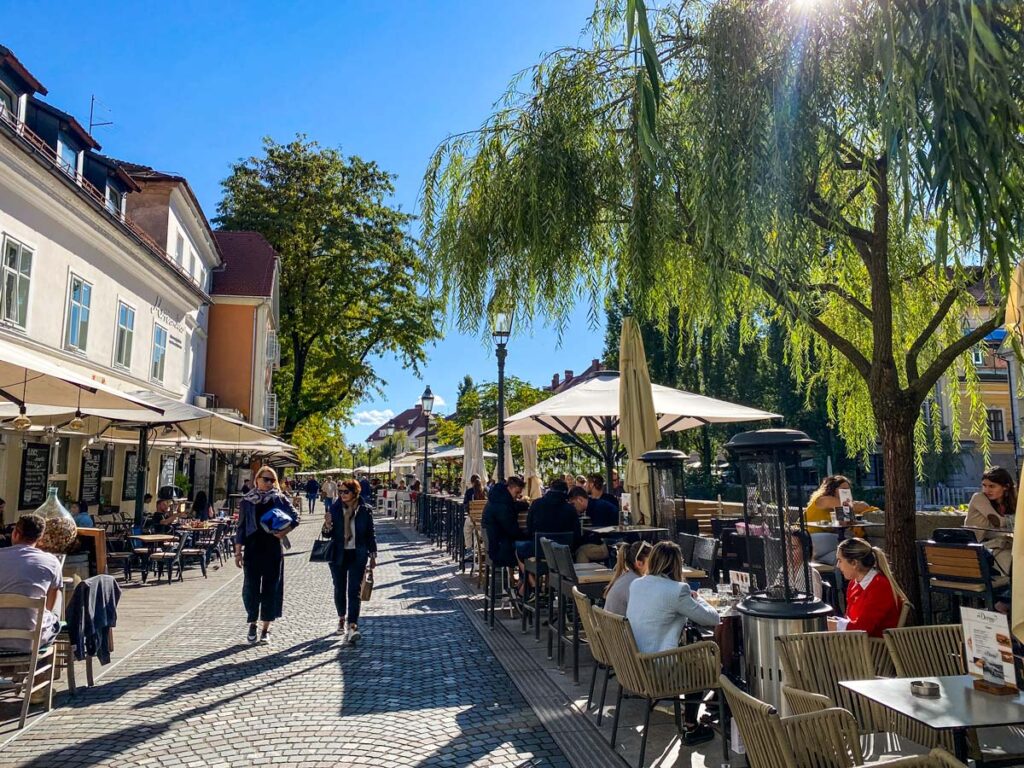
(6, 102)
(179, 249)
(113, 200)
(17, 276)
(125, 335)
(156, 369)
(191, 263)
(978, 355)
(67, 155)
(76, 334)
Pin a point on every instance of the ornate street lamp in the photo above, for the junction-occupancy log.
(427, 405)
(501, 329)
(369, 456)
(389, 433)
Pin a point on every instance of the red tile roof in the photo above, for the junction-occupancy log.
(7, 58)
(249, 265)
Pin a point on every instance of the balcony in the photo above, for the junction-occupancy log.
(273, 350)
(46, 154)
(270, 412)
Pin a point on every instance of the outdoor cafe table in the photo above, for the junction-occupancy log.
(958, 709)
(151, 542)
(627, 531)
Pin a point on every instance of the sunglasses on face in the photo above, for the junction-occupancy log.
(265, 479)
(345, 490)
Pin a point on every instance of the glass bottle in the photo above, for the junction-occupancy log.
(61, 533)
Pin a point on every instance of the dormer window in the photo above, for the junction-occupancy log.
(7, 104)
(114, 199)
(67, 155)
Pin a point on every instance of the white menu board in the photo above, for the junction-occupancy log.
(987, 646)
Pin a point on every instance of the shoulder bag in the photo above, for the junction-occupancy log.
(322, 551)
(366, 590)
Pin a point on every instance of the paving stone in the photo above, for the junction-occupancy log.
(420, 689)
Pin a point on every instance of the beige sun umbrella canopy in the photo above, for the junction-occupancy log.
(638, 422)
(530, 471)
(32, 383)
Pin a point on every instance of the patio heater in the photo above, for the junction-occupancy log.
(780, 601)
(427, 405)
(667, 475)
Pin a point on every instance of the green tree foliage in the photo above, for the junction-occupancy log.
(350, 275)
(846, 170)
(318, 441)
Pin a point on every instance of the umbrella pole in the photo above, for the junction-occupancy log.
(609, 455)
(140, 477)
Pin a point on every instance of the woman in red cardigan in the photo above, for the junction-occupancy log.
(873, 598)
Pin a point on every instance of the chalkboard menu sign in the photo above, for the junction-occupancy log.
(131, 468)
(89, 486)
(35, 474)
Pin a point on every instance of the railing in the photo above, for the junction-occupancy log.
(944, 497)
(39, 147)
(273, 350)
(270, 412)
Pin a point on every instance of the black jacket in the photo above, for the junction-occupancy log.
(92, 613)
(362, 529)
(552, 513)
(501, 524)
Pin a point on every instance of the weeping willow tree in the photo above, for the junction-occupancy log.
(848, 169)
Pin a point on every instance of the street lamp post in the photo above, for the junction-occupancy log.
(369, 456)
(427, 405)
(389, 432)
(501, 329)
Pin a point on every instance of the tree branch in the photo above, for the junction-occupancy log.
(947, 356)
(829, 218)
(922, 338)
(842, 293)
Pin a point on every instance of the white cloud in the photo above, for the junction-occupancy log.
(439, 402)
(373, 418)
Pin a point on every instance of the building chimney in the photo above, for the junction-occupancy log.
(595, 364)
(554, 381)
(568, 376)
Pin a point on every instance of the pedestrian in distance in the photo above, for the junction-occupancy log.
(312, 491)
(349, 525)
(264, 520)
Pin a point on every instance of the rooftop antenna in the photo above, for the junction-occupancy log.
(93, 123)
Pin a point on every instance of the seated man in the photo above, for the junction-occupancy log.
(595, 487)
(164, 517)
(28, 571)
(601, 514)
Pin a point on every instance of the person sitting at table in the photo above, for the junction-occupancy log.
(201, 508)
(595, 487)
(660, 603)
(593, 549)
(991, 512)
(165, 515)
(818, 516)
(28, 571)
(501, 522)
(80, 511)
(873, 598)
(799, 548)
(630, 565)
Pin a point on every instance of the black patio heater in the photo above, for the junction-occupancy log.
(781, 600)
(667, 476)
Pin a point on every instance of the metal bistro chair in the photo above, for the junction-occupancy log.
(537, 567)
(170, 558)
(961, 571)
(687, 543)
(31, 671)
(584, 578)
(705, 557)
(664, 676)
(937, 651)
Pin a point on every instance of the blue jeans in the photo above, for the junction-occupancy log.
(347, 573)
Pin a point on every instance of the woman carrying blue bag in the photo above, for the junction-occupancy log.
(349, 526)
(264, 519)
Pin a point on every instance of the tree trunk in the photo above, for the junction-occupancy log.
(896, 431)
(291, 420)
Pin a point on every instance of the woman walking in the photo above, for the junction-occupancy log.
(263, 523)
(349, 524)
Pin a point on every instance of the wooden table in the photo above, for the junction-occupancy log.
(959, 708)
(98, 537)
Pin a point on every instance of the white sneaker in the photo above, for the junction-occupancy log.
(341, 630)
(353, 636)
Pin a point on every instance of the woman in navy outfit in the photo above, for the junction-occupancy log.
(349, 524)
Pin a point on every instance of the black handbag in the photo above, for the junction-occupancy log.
(322, 551)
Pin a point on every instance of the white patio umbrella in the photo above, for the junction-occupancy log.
(530, 471)
(453, 454)
(638, 425)
(591, 408)
(473, 452)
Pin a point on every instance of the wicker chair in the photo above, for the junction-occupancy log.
(602, 662)
(476, 515)
(813, 664)
(880, 657)
(655, 677)
(938, 652)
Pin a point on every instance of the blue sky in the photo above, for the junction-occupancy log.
(193, 86)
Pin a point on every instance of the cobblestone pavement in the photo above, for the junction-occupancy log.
(421, 689)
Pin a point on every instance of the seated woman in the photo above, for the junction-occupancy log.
(818, 516)
(80, 511)
(660, 604)
(799, 548)
(873, 598)
(630, 565)
(993, 509)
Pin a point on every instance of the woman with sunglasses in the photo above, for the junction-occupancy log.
(259, 550)
(349, 524)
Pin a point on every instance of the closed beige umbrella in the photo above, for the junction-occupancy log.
(530, 472)
(638, 422)
(1015, 325)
